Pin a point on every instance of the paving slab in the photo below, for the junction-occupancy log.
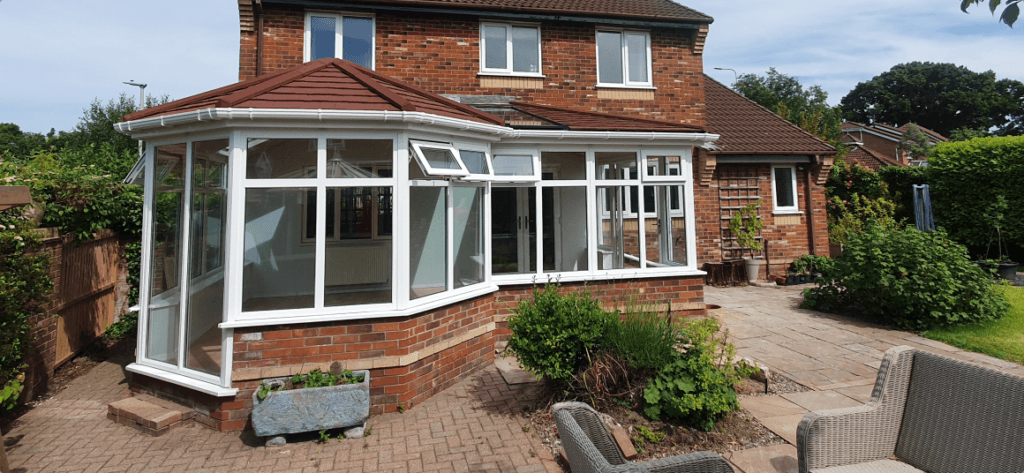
(770, 406)
(783, 426)
(772, 459)
(821, 400)
(859, 393)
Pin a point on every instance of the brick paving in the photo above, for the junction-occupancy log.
(471, 427)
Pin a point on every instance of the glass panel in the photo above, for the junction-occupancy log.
(513, 231)
(525, 49)
(636, 48)
(385, 205)
(566, 166)
(495, 47)
(618, 241)
(321, 37)
(506, 165)
(468, 210)
(475, 161)
(611, 166)
(358, 269)
(428, 242)
(665, 233)
(206, 288)
(165, 294)
(784, 187)
(663, 165)
(609, 56)
(440, 158)
(565, 229)
(358, 159)
(281, 159)
(357, 41)
(278, 270)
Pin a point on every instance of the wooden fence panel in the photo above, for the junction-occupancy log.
(86, 295)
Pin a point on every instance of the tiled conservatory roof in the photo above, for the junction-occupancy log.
(748, 128)
(325, 84)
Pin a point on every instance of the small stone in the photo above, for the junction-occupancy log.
(252, 337)
(356, 432)
(278, 441)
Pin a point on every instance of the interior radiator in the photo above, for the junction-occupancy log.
(357, 265)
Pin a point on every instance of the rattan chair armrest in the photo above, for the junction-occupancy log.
(698, 462)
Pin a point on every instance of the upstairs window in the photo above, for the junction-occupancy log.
(347, 37)
(509, 49)
(623, 58)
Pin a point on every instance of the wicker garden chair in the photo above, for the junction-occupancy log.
(591, 449)
(927, 413)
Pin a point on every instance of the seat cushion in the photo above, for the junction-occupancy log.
(880, 466)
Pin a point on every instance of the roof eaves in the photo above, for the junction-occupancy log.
(259, 89)
(679, 126)
(200, 97)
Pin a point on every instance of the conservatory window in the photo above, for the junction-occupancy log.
(515, 167)
(278, 267)
(468, 216)
(513, 229)
(168, 226)
(438, 159)
(665, 234)
(428, 241)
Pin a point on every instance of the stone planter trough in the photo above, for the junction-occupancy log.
(311, 409)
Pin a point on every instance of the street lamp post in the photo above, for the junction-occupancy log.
(735, 76)
(142, 102)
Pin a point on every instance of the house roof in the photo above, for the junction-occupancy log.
(648, 9)
(871, 159)
(325, 84)
(578, 120)
(748, 128)
(935, 136)
(891, 132)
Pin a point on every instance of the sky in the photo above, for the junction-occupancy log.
(57, 56)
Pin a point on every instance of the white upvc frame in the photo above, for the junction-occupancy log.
(508, 69)
(791, 209)
(534, 155)
(421, 159)
(626, 83)
(339, 37)
(461, 146)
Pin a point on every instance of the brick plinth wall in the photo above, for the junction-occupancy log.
(410, 358)
(442, 55)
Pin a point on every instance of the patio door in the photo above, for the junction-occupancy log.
(513, 230)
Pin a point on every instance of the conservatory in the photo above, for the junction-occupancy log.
(278, 204)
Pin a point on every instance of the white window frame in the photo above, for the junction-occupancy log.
(507, 70)
(417, 151)
(793, 209)
(465, 146)
(532, 153)
(374, 209)
(339, 37)
(626, 83)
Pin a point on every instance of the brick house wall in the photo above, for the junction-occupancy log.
(442, 55)
(410, 358)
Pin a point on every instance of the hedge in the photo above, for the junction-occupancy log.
(967, 176)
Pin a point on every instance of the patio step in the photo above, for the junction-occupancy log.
(149, 414)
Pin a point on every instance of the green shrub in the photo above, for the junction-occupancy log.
(128, 323)
(909, 279)
(644, 339)
(691, 389)
(851, 216)
(813, 263)
(900, 182)
(24, 283)
(554, 333)
(967, 176)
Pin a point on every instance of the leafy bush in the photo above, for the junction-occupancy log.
(554, 333)
(644, 339)
(813, 263)
(907, 278)
(126, 324)
(24, 284)
(899, 182)
(851, 216)
(966, 178)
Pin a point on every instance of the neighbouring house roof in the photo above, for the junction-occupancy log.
(870, 159)
(325, 84)
(748, 128)
(890, 132)
(935, 136)
(647, 9)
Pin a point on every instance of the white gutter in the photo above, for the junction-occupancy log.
(262, 114)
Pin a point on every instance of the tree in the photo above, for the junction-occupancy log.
(784, 95)
(967, 134)
(18, 143)
(915, 143)
(1009, 15)
(941, 97)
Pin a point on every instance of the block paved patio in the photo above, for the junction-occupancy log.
(837, 357)
(471, 427)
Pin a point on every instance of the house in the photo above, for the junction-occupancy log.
(877, 145)
(388, 177)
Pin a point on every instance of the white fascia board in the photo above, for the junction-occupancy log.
(870, 132)
(590, 137)
(137, 128)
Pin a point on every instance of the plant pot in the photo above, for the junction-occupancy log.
(753, 269)
(1007, 271)
(311, 409)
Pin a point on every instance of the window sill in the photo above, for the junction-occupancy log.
(600, 275)
(173, 378)
(788, 212)
(512, 74)
(626, 87)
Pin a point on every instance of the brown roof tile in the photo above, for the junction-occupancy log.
(666, 10)
(591, 121)
(748, 128)
(327, 84)
(871, 159)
